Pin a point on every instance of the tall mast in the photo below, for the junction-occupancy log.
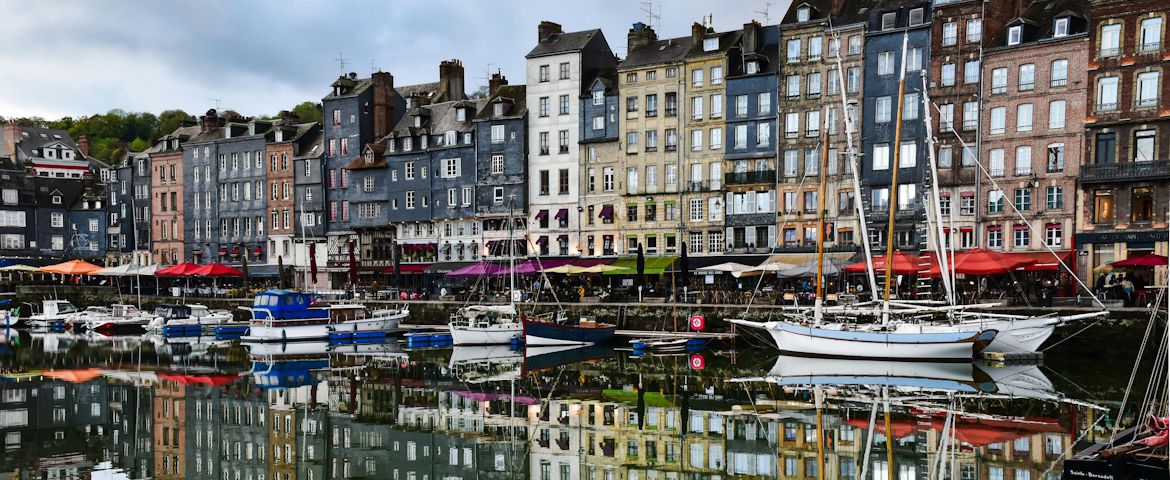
(852, 156)
(892, 204)
(940, 246)
(511, 253)
(818, 308)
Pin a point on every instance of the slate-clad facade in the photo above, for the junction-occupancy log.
(751, 108)
(890, 22)
(501, 198)
(601, 161)
(202, 198)
(309, 165)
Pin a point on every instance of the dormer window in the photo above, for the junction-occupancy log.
(461, 114)
(1015, 35)
(390, 145)
(710, 44)
(417, 121)
(803, 14)
(599, 98)
(1060, 27)
(56, 199)
(888, 20)
(422, 142)
(407, 144)
(68, 155)
(752, 67)
(369, 157)
(498, 109)
(449, 138)
(409, 103)
(467, 138)
(50, 154)
(916, 16)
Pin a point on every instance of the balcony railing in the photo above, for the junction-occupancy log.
(1125, 171)
(1153, 47)
(1108, 52)
(697, 186)
(759, 176)
(1105, 107)
(1145, 103)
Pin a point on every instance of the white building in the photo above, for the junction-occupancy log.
(557, 70)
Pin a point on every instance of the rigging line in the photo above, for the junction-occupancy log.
(1071, 445)
(1092, 396)
(1078, 332)
(1141, 351)
(1031, 228)
(783, 226)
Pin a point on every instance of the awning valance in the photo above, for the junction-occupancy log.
(654, 266)
(606, 212)
(562, 214)
(541, 215)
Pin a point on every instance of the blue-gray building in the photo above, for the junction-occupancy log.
(202, 192)
(501, 197)
(750, 178)
(890, 22)
(242, 191)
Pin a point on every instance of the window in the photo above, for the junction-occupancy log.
(697, 139)
(885, 63)
(544, 182)
(741, 105)
(880, 199)
(971, 71)
(967, 204)
(1147, 89)
(1023, 201)
(1053, 235)
(651, 140)
(1056, 114)
(970, 116)
(564, 182)
(881, 156)
(1027, 80)
(834, 82)
(1106, 148)
(1054, 197)
(1055, 157)
(853, 79)
(812, 127)
(563, 141)
(995, 162)
(1102, 206)
(950, 33)
(882, 109)
(998, 120)
(946, 116)
(907, 195)
(909, 155)
(1110, 40)
(1021, 238)
(697, 108)
(888, 20)
(793, 50)
(1015, 35)
(814, 48)
(697, 77)
(1150, 37)
(945, 156)
(717, 136)
(543, 145)
(564, 71)
(544, 73)
(740, 137)
(910, 107)
(854, 44)
(995, 201)
(1024, 160)
(716, 72)
(1143, 145)
(974, 30)
(802, 14)
(914, 60)
(916, 16)
(1107, 94)
(999, 80)
(1059, 73)
(697, 210)
(57, 220)
(814, 85)
(543, 102)
(1024, 117)
(948, 74)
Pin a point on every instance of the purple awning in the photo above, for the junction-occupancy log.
(562, 214)
(541, 215)
(536, 265)
(543, 240)
(478, 269)
(562, 238)
(606, 212)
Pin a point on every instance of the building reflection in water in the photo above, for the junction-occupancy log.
(324, 412)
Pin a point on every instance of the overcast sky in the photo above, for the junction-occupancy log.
(259, 57)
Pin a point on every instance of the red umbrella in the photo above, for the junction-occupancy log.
(981, 261)
(1145, 260)
(352, 266)
(313, 260)
(214, 379)
(904, 264)
(216, 270)
(179, 270)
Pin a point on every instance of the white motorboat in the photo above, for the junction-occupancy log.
(117, 317)
(282, 315)
(192, 316)
(485, 325)
(52, 311)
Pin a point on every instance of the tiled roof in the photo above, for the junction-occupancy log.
(657, 53)
(563, 43)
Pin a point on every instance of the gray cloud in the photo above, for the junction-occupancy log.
(257, 57)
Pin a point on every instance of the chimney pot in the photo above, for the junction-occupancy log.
(697, 31)
(640, 35)
(451, 80)
(547, 29)
(498, 80)
(83, 145)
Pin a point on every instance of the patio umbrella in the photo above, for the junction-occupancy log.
(148, 269)
(980, 261)
(477, 269)
(809, 269)
(19, 268)
(904, 264)
(216, 270)
(766, 267)
(179, 270)
(72, 267)
(352, 266)
(80, 375)
(124, 270)
(1144, 260)
(313, 261)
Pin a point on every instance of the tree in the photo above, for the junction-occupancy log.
(307, 112)
(170, 120)
(139, 145)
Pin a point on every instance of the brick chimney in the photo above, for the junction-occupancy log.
(83, 145)
(547, 29)
(697, 32)
(451, 80)
(640, 35)
(208, 121)
(498, 80)
(383, 103)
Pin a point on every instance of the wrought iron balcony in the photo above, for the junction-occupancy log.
(759, 176)
(1109, 172)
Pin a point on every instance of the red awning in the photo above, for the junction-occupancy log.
(543, 240)
(904, 264)
(409, 268)
(981, 261)
(606, 212)
(1146, 260)
(1043, 261)
(562, 214)
(541, 215)
(214, 379)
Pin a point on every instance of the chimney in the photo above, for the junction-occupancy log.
(547, 29)
(208, 121)
(451, 80)
(836, 7)
(83, 145)
(383, 103)
(697, 32)
(640, 35)
(498, 80)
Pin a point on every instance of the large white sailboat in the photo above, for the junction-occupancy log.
(491, 324)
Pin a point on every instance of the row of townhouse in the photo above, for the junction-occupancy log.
(1047, 122)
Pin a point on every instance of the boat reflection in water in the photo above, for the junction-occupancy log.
(322, 410)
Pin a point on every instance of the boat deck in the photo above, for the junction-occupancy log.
(661, 334)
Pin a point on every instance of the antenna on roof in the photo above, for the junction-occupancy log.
(764, 12)
(653, 17)
(216, 100)
(340, 64)
(374, 68)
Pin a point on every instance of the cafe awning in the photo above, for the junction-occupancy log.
(1045, 261)
(446, 267)
(409, 268)
(654, 266)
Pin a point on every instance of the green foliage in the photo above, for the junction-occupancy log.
(308, 112)
(139, 145)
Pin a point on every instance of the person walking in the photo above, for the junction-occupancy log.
(1127, 289)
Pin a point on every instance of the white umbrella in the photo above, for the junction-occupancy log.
(809, 269)
(727, 267)
(766, 267)
(124, 270)
(147, 269)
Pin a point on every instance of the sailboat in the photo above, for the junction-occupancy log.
(491, 324)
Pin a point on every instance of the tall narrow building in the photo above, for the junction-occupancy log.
(558, 69)
(601, 160)
(501, 198)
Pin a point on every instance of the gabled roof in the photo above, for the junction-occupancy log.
(563, 43)
(356, 85)
(513, 94)
(32, 138)
(658, 52)
(443, 117)
(379, 161)
(427, 91)
(727, 40)
(310, 142)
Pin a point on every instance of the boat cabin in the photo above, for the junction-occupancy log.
(120, 310)
(57, 307)
(286, 305)
(172, 311)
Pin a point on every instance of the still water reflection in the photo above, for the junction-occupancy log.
(82, 407)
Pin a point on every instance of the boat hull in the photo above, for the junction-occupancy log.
(538, 333)
(276, 332)
(492, 334)
(812, 341)
(1016, 335)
